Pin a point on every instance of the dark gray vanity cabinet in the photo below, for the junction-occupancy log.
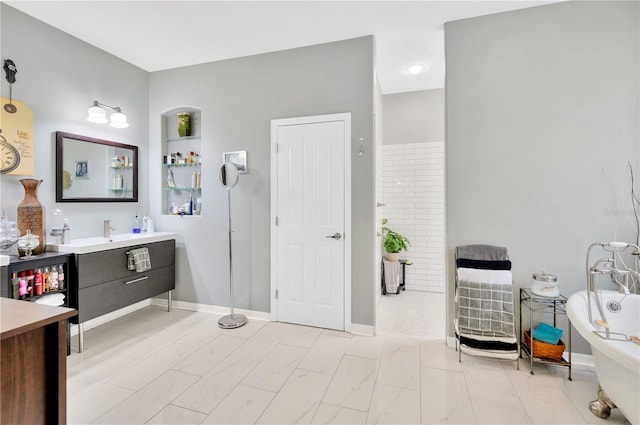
(105, 283)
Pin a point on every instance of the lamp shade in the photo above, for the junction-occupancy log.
(97, 115)
(119, 120)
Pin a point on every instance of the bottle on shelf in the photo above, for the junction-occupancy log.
(66, 232)
(53, 279)
(22, 286)
(61, 281)
(15, 286)
(38, 282)
(46, 283)
(30, 282)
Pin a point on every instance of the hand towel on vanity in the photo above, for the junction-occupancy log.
(139, 259)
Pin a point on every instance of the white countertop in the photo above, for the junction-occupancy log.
(88, 245)
(4, 260)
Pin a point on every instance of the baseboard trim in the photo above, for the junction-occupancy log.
(208, 308)
(365, 330)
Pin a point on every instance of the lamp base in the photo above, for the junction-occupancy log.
(232, 321)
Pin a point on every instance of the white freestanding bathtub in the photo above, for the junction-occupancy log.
(617, 362)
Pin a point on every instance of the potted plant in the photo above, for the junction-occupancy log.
(393, 242)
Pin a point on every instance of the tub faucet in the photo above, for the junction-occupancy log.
(106, 230)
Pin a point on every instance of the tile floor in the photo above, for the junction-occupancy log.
(412, 313)
(179, 368)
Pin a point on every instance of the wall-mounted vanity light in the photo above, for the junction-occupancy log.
(97, 114)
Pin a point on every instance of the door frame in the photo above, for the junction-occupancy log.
(314, 119)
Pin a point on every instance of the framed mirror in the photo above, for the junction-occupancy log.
(95, 170)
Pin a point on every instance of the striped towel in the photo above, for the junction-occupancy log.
(139, 260)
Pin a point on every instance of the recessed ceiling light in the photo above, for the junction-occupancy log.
(415, 68)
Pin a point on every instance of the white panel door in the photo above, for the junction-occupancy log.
(310, 240)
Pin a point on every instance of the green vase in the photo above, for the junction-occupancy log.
(184, 124)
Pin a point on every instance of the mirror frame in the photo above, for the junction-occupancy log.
(60, 136)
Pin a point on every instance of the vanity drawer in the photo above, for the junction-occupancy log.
(106, 297)
(98, 267)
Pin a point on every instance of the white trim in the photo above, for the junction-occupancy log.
(451, 341)
(360, 329)
(214, 309)
(346, 118)
(101, 320)
(582, 360)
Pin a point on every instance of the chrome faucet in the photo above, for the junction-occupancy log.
(106, 229)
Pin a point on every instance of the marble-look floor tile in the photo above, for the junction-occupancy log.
(393, 405)
(246, 331)
(366, 346)
(301, 336)
(205, 358)
(90, 404)
(140, 374)
(243, 405)
(211, 389)
(274, 370)
(399, 365)
(96, 370)
(545, 404)
(174, 415)
(260, 344)
(489, 413)
(298, 400)
(493, 388)
(438, 355)
(444, 398)
(325, 354)
(146, 403)
(328, 414)
(146, 347)
(353, 383)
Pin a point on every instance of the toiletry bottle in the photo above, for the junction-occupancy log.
(61, 281)
(194, 180)
(15, 286)
(66, 232)
(38, 282)
(136, 224)
(22, 286)
(46, 282)
(30, 282)
(150, 226)
(53, 279)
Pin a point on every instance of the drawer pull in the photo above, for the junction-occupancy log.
(136, 280)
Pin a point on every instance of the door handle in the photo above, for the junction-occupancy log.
(336, 236)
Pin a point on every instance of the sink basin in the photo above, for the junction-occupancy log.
(87, 245)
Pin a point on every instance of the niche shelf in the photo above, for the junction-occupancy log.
(181, 158)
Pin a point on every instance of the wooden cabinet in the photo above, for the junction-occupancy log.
(33, 358)
(106, 284)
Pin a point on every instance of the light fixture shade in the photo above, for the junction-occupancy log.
(119, 120)
(97, 115)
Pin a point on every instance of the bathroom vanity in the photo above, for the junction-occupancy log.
(105, 283)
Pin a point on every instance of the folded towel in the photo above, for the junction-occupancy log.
(482, 252)
(547, 333)
(483, 264)
(139, 259)
(485, 309)
(487, 276)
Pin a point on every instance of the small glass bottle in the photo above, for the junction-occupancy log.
(53, 279)
(38, 282)
(30, 282)
(22, 286)
(61, 281)
(15, 285)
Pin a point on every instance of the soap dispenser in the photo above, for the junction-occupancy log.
(136, 224)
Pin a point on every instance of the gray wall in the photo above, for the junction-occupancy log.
(238, 99)
(58, 78)
(413, 117)
(542, 117)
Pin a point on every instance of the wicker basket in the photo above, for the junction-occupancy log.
(542, 349)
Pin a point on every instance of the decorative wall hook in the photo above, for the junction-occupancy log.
(10, 71)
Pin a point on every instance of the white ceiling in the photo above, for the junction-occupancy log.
(156, 35)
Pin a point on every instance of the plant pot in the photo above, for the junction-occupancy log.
(184, 124)
(393, 256)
